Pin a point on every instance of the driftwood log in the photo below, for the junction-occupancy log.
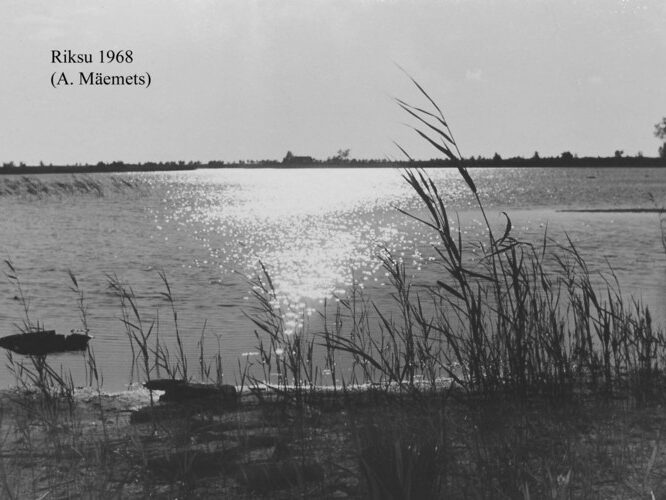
(180, 390)
(43, 342)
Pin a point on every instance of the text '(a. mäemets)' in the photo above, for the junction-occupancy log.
(98, 78)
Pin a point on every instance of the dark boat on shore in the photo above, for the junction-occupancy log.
(43, 342)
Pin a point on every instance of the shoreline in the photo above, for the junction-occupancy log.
(119, 167)
(342, 445)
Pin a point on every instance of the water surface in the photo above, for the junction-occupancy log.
(315, 230)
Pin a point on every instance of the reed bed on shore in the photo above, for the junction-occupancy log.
(510, 316)
(38, 187)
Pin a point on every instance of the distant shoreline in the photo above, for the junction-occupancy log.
(119, 167)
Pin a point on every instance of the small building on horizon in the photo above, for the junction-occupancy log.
(291, 159)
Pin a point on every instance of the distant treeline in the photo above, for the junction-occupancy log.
(116, 166)
(565, 160)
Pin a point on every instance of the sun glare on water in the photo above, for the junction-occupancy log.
(310, 228)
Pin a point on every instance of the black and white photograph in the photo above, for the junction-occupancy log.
(333, 249)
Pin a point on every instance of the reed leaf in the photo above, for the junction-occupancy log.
(440, 148)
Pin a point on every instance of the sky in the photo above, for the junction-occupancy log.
(252, 79)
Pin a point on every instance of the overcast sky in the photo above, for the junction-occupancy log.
(243, 79)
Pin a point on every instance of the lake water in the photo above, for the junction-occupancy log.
(315, 230)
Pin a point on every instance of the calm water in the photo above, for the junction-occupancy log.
(313, 229)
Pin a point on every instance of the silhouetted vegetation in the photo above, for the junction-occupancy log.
(660, 133)
(342, 160)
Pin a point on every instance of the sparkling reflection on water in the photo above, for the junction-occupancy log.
(315, 230)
